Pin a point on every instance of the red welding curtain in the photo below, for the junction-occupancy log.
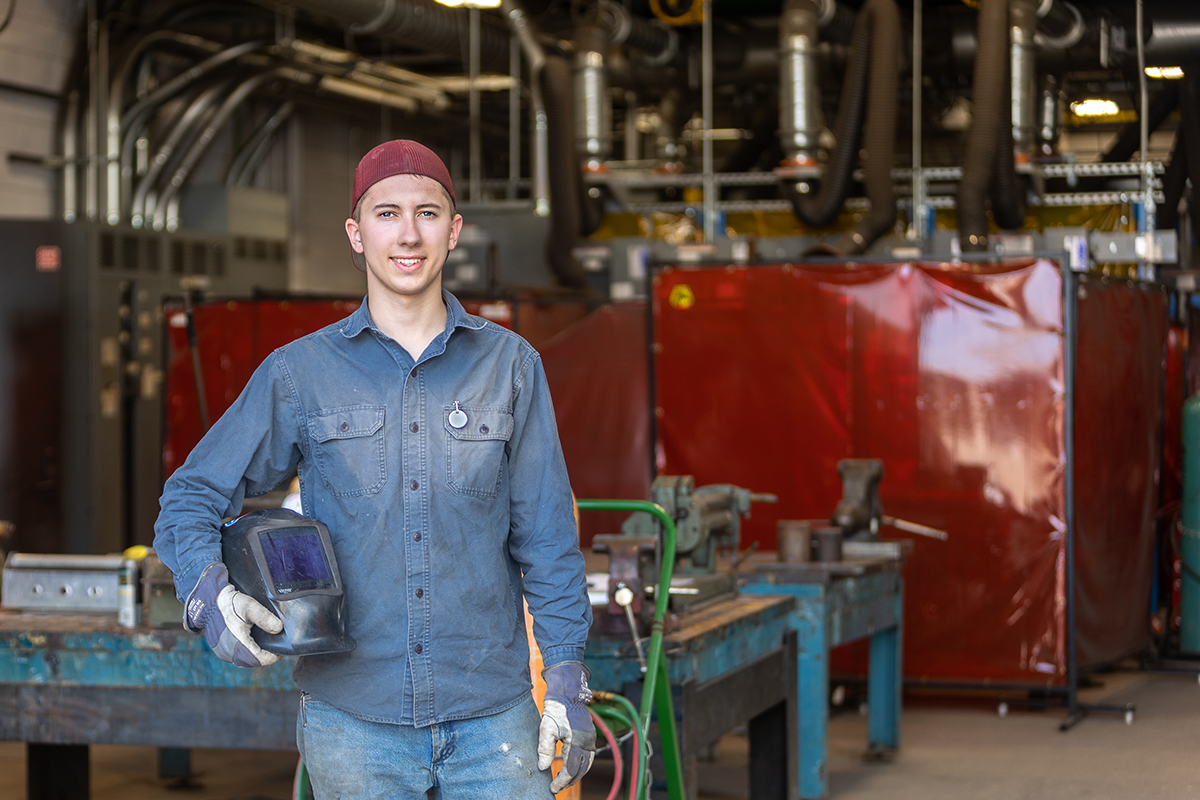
(597, 373)
(767, 376)
(1123, 339)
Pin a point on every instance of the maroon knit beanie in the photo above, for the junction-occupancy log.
(399, 157)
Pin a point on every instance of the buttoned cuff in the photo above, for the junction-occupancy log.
(557, 655)
(187, 577)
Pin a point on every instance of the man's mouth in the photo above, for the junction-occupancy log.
(408, 262)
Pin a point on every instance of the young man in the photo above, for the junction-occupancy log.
(425, 440)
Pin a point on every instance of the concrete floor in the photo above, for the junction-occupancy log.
(950, 750)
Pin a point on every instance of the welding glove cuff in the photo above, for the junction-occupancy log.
(566, 718)
(226, 616)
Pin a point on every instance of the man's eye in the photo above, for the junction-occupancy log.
(427, 214)
(386, 214)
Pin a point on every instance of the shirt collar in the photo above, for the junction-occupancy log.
(456, 317)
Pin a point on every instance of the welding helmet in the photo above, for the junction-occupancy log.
(285, 561)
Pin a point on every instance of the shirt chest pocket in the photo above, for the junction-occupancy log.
(475, 451)
(349, 449)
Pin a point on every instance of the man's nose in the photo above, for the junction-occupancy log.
(408, 232)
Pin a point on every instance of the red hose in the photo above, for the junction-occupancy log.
(616, 753)
(634, 775)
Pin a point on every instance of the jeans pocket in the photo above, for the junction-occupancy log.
(475, 451)
(348, 446)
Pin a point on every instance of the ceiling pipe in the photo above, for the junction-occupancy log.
(799, 95)
(526, 32)
(593, 119)
(116, 99)
(177, 132)
(166, 208)
(133, 118)
(250, 155)
(413, 23)
(1173, 34)
(1022, 70)
(1060, 24)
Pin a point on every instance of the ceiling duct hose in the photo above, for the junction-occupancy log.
(566, 184)
(1189, 112)
(424, 24)
(979, 157)
(1007, 189)
(1060, 24)
(821, 209)
(880, 135)
(836, 21)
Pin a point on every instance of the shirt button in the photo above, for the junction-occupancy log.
(417, 649)
(417, 536)
(414, 427)
(413, 485)
(420, 592)
(483, 428)
(345, 426)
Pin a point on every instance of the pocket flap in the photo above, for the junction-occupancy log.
(483, 422)
(345, 423)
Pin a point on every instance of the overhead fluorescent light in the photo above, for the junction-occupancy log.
(1094, 107)
(471, 3)
(1170, 73)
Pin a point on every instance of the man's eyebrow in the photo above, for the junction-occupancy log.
(390, 205)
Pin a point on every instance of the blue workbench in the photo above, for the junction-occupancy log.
(729, 663)
(69, 681)
(838, 603)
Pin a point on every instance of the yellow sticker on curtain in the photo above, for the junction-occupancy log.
(682, 297)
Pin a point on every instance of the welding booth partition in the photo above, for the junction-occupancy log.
(953, 375)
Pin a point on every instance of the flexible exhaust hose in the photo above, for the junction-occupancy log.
(1007, 189)
(823, 208)
(566, 185)
(979, 158)
(880, 134)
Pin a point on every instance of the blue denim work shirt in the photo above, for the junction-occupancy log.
(438, 530)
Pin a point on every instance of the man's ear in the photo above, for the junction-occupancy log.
(354, 235)
(455, 230)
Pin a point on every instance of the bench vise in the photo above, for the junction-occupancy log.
(708, 520)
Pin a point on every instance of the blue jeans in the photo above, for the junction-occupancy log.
(487, 757)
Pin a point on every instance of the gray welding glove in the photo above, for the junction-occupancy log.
(565, 718)
(225, 615)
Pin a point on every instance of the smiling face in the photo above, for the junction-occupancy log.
(405, 226)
